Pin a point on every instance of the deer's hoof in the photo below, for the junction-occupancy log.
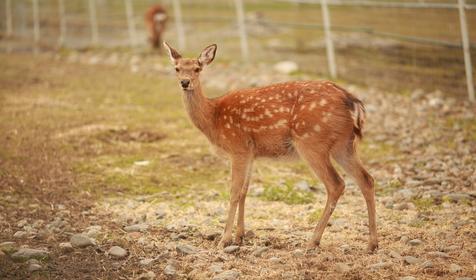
(239, 239)
(373, 246)
(225, 241)
(311, 245)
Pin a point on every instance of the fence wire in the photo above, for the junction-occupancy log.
(378, 43)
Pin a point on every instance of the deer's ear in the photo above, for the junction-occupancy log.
(173, 54)
(208, 54)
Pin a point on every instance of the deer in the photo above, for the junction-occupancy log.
(314, 120)
(155, 20)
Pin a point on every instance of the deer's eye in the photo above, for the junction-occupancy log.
(177, 70)
(197, 70)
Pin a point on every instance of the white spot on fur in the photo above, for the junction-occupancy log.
(227, 126)
(268, 113)
(312, 106)
(317, 128)
(281, 122)
(323, 102)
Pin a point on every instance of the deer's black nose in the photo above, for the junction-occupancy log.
(185, 83)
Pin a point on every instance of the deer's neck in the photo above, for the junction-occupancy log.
(201, 110)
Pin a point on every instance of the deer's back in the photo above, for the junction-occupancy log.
(269, 119)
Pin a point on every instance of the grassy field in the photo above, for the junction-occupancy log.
(95, 145)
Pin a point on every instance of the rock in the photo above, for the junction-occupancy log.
(427, 264)
(216, 267)
(458, 197)
(160, 214)
(411, 260)
(170, 270)
(231, 249)
(415, 242)
(186, 249)
(137, 228)
(437, 254)
(302, 186)
(250, 234)
(8, 247)
(22, 223)
(403, 195)
(454, 268)
(286, 67)
(404, 239)
(394, 254)
(275, 260)
(211, 235)
(20, 234)
(345, 249)
(149, 275)
(407, 278)
(298, 253)
(446, 249)
(93, 231)
(34, 265)
(227, 275)
(404, 206)
(146, 262)
(66, 247)
(380, 265)
(24, 254)
(117, 252)
(81, 240)
(259, 251)
(342, 267)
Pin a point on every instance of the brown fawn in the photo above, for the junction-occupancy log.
(155, 19)
(316, 120)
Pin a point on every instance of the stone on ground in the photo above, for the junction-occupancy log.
(117, 252)
(81, 240)
(24, 254)
(227, 275)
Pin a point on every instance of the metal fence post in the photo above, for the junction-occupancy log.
(328, 37)
(62, 23)
(240, 18)
(36, 26)
(130, 21)
(466, 51)
(179, 24)
(93, 22)
(9, 23)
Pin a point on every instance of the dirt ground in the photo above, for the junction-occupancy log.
(99, 145)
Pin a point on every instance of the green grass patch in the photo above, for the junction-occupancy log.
(287, 194)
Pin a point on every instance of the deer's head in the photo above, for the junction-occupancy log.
(188, 69)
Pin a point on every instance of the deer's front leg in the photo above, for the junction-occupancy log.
(239, 167)
(240, 232)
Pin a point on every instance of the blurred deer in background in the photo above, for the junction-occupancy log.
(316, 120)
(155, 20)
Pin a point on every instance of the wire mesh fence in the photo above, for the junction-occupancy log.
(394, 45)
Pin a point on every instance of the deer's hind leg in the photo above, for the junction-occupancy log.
(346, 156)
(320, 162)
